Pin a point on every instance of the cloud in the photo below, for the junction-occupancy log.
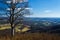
(47, 11)
(8, 1)
(20, 8)
(25, 8)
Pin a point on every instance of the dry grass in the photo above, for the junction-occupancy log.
(31, 36)
(5, 35)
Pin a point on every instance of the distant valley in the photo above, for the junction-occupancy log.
(40, 24)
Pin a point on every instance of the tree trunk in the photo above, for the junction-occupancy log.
(12, 30)
(12, 20)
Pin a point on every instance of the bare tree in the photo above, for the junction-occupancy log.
(14, 10)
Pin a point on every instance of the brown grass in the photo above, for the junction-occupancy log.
(31, 36)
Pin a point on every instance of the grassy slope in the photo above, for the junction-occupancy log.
(7, 26)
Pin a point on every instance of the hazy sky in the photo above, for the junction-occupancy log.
(45, 8)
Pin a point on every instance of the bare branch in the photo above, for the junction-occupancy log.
(22, 8)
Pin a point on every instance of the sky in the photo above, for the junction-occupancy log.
(45, 8)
